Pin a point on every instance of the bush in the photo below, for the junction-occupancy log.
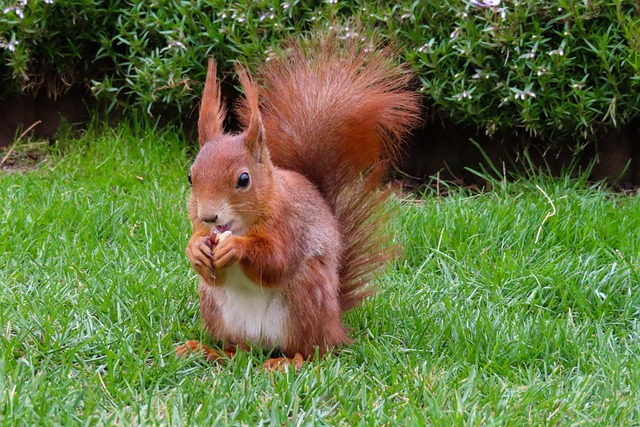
(140, 53)
(560, 68)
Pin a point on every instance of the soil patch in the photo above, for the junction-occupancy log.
(449, 152)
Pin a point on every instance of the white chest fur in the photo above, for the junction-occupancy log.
(250, 311)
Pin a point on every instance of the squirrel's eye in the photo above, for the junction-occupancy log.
(243, 180)
(189, 178)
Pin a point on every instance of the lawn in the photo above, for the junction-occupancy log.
(497, 312)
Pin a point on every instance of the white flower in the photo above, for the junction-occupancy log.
(523, 94)
(558, 52)
(11, 46)
(14, 9)
(484, 3)
(463, 95)
(177, 44)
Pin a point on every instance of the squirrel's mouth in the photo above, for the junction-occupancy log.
(223, 227)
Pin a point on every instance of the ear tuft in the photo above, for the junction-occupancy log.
(212, 112)
(255, 135)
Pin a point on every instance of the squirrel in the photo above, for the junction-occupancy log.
(287, 221)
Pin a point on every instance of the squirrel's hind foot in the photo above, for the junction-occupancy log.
(281, 363)
(274, 364)
(196, 347)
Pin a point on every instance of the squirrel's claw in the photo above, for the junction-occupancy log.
(200, 254)
(282, 363)
(226, 253)
(193, 346)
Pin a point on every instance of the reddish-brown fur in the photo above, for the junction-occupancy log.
(320, 126)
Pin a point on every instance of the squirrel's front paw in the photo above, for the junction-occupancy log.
(227, 252)
(199, 252)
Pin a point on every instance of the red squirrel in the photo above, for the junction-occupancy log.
(287, 221)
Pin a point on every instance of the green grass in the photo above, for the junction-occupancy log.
(477, 324)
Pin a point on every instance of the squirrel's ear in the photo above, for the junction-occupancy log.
(212, 112)
(255, 137)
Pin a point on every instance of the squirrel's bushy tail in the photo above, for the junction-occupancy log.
(335, 111)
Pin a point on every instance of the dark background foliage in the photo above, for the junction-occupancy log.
(547, 69)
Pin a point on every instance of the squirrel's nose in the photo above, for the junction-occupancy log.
(211, 218)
